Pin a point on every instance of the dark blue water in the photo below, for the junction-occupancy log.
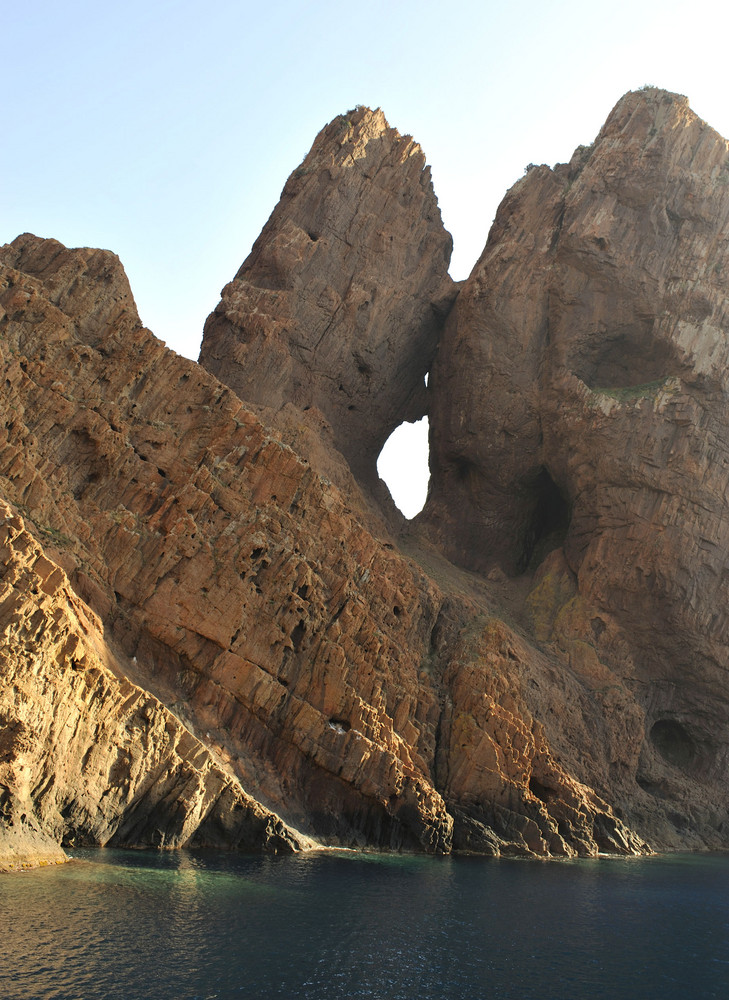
(120, 924)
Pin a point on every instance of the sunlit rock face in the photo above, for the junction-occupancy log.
(297, 678)
(246, 654)
(339, 305)
(579, 406)
(86, 756)
(229, 578)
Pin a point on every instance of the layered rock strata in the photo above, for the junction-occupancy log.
(338, 307)
(215, 556)
(85, 755)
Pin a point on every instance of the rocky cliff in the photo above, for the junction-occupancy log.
(86, 755)
(580, 430)
(215, 634)
(338, 307)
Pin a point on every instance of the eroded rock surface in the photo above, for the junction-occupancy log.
(579, 405)
(239, 579)
(539, 665)
(86, 757)
(318, 663)
(338, 307)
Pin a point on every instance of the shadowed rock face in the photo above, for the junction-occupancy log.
(579, 405)
(339, 305)
(304, 673)
(601, 284)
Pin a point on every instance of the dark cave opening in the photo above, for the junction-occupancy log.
(673, 743)
(542, 792)
(628, 358)
(297, 635)
(549, 523)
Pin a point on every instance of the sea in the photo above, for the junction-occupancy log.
(133, 925)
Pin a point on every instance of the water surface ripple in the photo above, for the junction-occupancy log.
(124, 925)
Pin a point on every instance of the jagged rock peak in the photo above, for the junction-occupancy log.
(579, 427)
(348, 136)
(88, 284)
(651, 109)
(296, 673)
(615, 279)
(339, 304)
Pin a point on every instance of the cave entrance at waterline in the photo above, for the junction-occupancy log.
(403, 466)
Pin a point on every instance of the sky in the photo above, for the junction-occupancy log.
(164, 130)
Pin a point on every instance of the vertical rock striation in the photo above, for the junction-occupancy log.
(85, 755)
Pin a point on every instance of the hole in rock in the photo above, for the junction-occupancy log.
(673, 743)
(464, 468)
(652, 787)
(549, 523)
(598, 627)
(70, 838)
(625, 359)
(403, 465)
(297, 635)
(542, 792)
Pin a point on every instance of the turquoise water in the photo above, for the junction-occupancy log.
(133, 925)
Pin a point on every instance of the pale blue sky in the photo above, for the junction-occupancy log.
(164, 131)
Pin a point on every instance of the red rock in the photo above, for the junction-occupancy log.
(304, 672)
(339, 305)
(578, 404)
